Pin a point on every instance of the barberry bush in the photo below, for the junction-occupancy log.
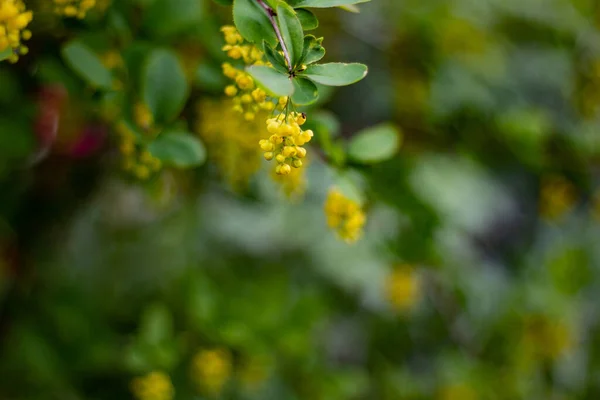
(299, 199)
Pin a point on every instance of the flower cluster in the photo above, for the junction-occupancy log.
(136, 159)
(73, 8)
(231, 141)
(212, 369)
(286, 141)
(344, 215)
(248, 99)
(14, 18)
(402, 288)
(154, 386)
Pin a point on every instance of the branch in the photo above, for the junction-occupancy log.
(271, 14)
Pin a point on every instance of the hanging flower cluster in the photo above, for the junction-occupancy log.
(286, 141)
(14, 19)
(248, 99)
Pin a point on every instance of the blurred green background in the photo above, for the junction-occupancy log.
(478, 273)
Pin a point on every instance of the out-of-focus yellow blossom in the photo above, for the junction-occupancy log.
(557, 197)
(211, 369)
(286, 141)
(344, 215)
(457, 391)
(73, 8)
(136, 159)
(253, 372)
(546, 338)
(231, 141)
(154, 386)
(14, 19)
(112, 59)
(143, 116)
(402, 288)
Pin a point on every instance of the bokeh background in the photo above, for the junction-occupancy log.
(477, 277)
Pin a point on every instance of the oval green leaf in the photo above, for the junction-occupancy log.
(87, 65)
(274, 82)
(374, 144)
(305, 92)
(178, 148)
(275, 58)
(313, 50)
(164, 86)
(291, 32)
(252, 22)
(308, 20)
(336, 74)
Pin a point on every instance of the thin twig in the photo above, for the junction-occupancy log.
(271, 14)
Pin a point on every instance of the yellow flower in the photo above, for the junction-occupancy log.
(211, 369)
(143, 116)
(293, 185)
(154, 386)
(14, 19)
(286, 141)
(231, 141)
(402, 288)
(137, 160)
(557, 197)
(248, 99)
(344, 215)
(73, 8)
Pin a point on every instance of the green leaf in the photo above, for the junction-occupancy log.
(308, 20)
(275, 58)
(324, 3)
(291, 32)
(313, 50)
(87, 65)
(374, 144)
(271, 80)
(252, 22)
(164, 86)
(336, 74)
(224, 2)
(178, 148)
(305, 92)
(170, 17)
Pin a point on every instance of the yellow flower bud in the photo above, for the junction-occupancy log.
(289, 151)
(280, 158)
(297, 163)
(300, 152)
(268, 156)
(231, 90)
(284, 169)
